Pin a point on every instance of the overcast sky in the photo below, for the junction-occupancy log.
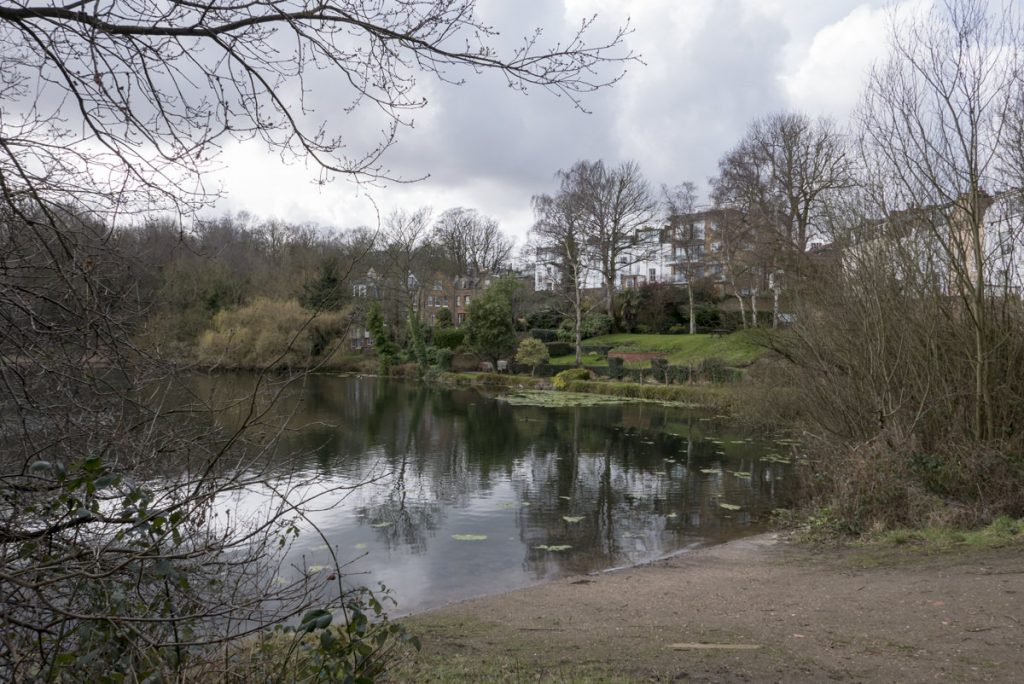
(711, 67)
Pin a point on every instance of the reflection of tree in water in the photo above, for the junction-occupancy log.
(632, 471)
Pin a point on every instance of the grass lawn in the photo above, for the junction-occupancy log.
(737, 349)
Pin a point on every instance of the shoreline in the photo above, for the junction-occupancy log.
(759, 608)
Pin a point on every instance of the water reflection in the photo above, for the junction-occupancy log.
(531, 493)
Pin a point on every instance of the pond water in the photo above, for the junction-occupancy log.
(468, 494)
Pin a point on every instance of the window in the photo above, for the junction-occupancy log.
(467, 300)
(430, 300)
(652, 274)
(716, 246)
(458, 300)
(437, 285)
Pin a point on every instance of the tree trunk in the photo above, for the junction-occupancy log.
(609, 287)
(579, 330)
(743, 309)
(753, 307)
(775, 305)
(693, 312)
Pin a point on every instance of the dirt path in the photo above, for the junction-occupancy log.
(758, 610)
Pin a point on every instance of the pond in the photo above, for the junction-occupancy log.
(468, 494)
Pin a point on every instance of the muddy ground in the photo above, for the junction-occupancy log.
(761, 609)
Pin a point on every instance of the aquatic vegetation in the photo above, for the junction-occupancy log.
(551, 399)
(469, 537)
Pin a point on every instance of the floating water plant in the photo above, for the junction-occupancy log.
(555, 547)
(381, 524)
(729, 506)
(549, 399)
(572, 518)
(469, 537)
(711, 471)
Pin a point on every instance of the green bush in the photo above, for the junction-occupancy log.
(713, 369)
(562, 380)
(659, 369)
(544, 319)
(544, 334)
(532, 352)
(595, 325)
(441, 357)
(443, 319)
(560, 349)
(449, 338)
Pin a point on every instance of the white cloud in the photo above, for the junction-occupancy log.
(711, 67)
(829, 76)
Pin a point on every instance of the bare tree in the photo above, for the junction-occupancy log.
(617, 207)
(560, 239)
(116, 553)
(908, 356)
(934, 129)
(782, 178)
(407, 264)
(469, 240)
(687, 239)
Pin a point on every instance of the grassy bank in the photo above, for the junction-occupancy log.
(738, 349)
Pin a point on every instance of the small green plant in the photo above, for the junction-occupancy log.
(387, 353)
(563, 379)
(359, 649)
(532, 352)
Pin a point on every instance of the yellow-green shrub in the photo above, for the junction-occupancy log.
(562, 380)
(271, 333)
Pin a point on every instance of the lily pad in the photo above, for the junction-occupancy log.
(742, 475)
(729, 506)
(469, 537)
(572, 518)
(382, 524)
(555, 547)
(567, 498)
(711, 471)
(360, 546)
(672, 515)
(550, 399)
